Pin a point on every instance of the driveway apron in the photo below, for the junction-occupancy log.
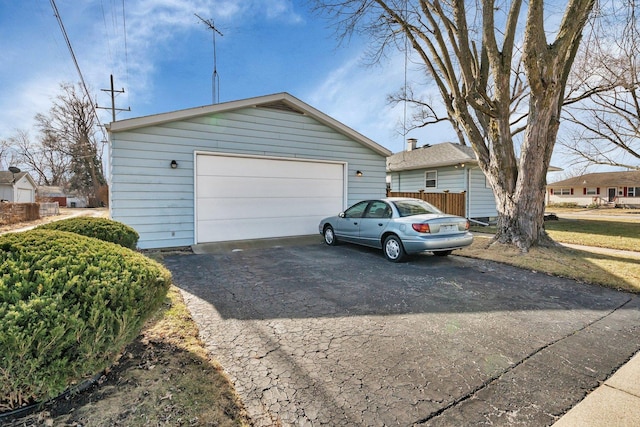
(338, 336)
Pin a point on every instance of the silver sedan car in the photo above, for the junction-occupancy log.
(399, 226)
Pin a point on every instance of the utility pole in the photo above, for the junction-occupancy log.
(215, 80)
(113, 101)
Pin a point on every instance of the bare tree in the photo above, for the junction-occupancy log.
(471, 52)
(603, 102)
(7, 154)
(70, 127)
(44, 159)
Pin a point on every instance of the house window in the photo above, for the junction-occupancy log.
(431, 179)
(633, 191)
(564, 192)
(592, 191)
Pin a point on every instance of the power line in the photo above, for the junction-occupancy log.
(56, 13)
(126, 52)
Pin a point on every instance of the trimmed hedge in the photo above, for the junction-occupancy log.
(100, 228)
(68, 305)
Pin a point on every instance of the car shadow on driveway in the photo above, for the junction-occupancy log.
(338, 335)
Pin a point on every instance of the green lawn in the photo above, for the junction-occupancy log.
(611, 270)
(620, 234)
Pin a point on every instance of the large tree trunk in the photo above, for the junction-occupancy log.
(521, 209)
(521, 220)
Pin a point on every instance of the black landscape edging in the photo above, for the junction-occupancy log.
(23, 411)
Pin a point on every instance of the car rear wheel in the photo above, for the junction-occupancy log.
(393, 249)
(442, 253)
(329, 236)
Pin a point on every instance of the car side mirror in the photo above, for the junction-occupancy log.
(341, 214)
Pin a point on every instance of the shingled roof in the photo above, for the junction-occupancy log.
(602, 179)
(429, 156)
(7, 177)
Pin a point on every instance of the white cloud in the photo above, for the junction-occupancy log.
(357, 96)
(34, 65)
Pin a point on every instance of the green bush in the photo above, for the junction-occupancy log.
(100, 228)
(68, 305)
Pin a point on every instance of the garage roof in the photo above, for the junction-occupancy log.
(280, 101)
(7, 177)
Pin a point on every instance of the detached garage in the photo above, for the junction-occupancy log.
(258, 168)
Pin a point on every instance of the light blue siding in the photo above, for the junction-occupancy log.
(159, 201)
(480, 201)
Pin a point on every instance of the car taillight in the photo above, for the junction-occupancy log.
(421, 228)
(466, 226)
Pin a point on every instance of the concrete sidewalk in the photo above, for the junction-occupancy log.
(615, 403)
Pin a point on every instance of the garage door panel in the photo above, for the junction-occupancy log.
(267, 187)
(268, 208)
(251, 198)
(226, 230)
(221, 166)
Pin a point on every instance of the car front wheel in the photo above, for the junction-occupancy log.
(393, 249)
(329, 236)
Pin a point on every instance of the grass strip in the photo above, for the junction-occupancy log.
(612, 271)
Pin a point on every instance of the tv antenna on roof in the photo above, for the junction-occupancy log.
(215, 79)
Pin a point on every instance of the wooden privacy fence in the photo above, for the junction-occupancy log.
(10, 213)
(451, 203)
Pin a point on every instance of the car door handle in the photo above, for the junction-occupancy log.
(355, 223)
(380, 224)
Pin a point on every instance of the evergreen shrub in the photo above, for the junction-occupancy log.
(100, 228)
(69, 304)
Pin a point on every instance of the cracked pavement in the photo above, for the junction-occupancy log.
(316, 335)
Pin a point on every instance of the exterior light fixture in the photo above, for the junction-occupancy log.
(359, 173)
(174, 164)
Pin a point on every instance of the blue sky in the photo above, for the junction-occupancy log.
(268, 46)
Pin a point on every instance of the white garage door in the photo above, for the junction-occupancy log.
(240, 198)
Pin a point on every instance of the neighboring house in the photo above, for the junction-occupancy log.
(17, 187)
(604, 188)
(49, 194)
(63, 197)
(78, 201)
(440, 168)
(264, 167)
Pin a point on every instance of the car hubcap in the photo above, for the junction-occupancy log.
(328, 235)
(393, 249)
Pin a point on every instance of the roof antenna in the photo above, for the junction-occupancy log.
(215, 79)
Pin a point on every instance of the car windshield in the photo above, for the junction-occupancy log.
(415, 207)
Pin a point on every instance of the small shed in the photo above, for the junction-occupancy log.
(17, 187)
(264, 167)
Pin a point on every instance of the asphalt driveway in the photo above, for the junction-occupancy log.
(338, 336)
